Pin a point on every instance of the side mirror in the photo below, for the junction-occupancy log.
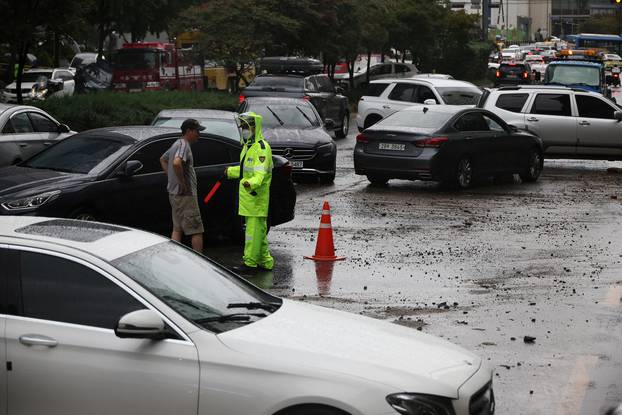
(63, 129)
(339, 90)
(618, 115)
(429, 101)
(141, 324)
(329, 124)
(131, 168)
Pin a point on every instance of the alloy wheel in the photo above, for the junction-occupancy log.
(464, 174)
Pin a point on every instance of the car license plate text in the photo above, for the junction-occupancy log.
(392, 146)
(297, 164)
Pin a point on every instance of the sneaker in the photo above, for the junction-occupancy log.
(244, 269)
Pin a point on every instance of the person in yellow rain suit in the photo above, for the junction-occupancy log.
(254, 191)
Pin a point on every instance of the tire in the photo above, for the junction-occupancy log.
(371, 120)
(345, 127)
(376, 180)
(311, 410)
(463, 176)
(534, 167)
(327, 178)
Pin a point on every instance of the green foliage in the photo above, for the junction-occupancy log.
(84, 112)
(605, 24)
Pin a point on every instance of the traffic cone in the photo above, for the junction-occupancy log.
(324, 249)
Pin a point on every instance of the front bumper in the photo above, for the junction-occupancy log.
(476, 396)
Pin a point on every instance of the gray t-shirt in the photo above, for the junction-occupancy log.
(181, 149)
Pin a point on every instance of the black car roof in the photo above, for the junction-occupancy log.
(137, 133)
(277, 100)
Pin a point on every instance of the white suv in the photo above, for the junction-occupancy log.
(387, 96)
(572, 123)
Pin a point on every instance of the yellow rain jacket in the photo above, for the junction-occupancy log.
(256, 165)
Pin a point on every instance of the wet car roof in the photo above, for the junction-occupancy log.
(103, 240)
(138, 133)
(197, 113)
(277, 100)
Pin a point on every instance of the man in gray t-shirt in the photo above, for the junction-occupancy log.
(178, 164)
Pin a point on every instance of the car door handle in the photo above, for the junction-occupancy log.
(533, 119)
(37, 340)
(23, 144)
(584, 123)
(386, 107)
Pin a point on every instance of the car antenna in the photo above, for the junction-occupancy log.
(425, 109)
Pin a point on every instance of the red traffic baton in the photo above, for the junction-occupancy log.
(211, 192)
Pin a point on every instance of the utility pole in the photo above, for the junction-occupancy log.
(485, 18)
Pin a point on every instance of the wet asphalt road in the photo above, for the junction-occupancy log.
(482, 268)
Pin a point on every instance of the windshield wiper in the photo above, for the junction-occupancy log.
(189, 303)
(229, 317)
(304, 115)
(275, 116)
(272, 307)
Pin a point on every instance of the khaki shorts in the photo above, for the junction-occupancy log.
(186, 214)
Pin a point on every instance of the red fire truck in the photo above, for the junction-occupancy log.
(154, 66)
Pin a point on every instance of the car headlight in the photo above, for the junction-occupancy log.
(325, 149)
(38, 93)
(418, 404)
(31, 202)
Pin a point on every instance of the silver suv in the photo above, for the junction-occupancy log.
(387, 96)
(572, 123)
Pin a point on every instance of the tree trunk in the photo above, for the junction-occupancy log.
(368, 65)
(101, 30)
(55, 54)
(350, 63)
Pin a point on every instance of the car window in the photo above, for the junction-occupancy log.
(552, 104)
(64, 75)
(20, 124)
(473, 121)
(42, 124)
(150, 154)
(384, 69)
(511, 102)
(214, 126)
(401, 68)
(468, 95)
(324, 84)
(61, 290)
(592, 107)
(375, 89)
(310, 85)
(424, 93)
(210, 152)
(403, 92)
(493, 125)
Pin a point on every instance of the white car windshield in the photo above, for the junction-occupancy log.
(195, 287)
(459, 96)
(34, 76)
(574, 75)
(223, 128)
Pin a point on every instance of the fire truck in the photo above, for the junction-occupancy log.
(155, 66)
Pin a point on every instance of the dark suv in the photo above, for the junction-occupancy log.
(513, 73)
(327, 99)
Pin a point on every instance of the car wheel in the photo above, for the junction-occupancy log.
(345, 127)
(534, 167)
(371, 120)
(311, 410)
(327, 178)
(464, 173)
(377, 180)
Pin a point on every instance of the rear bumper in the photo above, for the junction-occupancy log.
(423, 167)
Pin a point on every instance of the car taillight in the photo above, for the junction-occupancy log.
(361, 138)
(306, 98)
(434, 142)
(525, 75)
(242, 98)
(498, 74)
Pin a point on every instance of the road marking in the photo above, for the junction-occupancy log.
(572, 399)
(613, 296)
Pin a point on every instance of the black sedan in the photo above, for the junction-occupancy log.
(447, 144)
(295, 130)
(114, 175)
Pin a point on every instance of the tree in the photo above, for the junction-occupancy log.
(373, 17)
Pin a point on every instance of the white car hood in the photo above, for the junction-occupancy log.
(327, 340)
(25, 85)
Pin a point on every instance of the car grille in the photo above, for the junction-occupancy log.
(483, 401)
(294, 153)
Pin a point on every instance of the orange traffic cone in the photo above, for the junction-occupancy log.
(325, 250)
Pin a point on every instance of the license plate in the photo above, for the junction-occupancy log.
(135, 90)
(391, 146)
(511, 76)
(297, 164)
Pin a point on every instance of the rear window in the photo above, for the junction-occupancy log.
(512, 69)
(286, 82)
(375, 90)
(416, 119)
(511, 102)
(459, 95)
